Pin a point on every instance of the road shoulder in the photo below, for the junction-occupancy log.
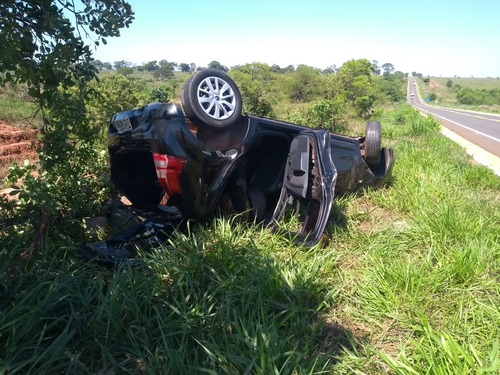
(483, 157)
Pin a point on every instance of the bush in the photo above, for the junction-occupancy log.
(328, 114)
(71, 182)
(125, 71)
(253, 81)
(470, 96)
(161, 94)
(112, 94)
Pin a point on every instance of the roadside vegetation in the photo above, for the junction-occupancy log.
(405, 280)
(476, 94)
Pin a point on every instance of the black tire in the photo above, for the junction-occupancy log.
(373, 144)
(211, 99)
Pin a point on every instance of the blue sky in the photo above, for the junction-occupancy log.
(438, 38)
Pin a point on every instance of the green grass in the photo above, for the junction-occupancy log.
(472, 83)
(406, 282)
(16, 108)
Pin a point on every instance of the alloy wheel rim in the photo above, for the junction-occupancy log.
(217, 98)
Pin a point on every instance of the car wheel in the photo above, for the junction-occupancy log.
(373, 143)
(211, 99)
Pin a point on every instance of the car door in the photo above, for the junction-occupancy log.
(308, 188)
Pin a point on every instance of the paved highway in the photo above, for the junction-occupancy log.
(482, 129)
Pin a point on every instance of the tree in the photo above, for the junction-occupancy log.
(217, 65)
(98, 64)
(388, 68)
(125, 71)
(115, 94)
(332, 69)
(254, 81)
(43, 48)
(355, 84)
(164, 63)
(164, 72)
(275, 68)
(449, 83)
(388, 87)
(107, 66)
(122, 64)
(305, 83)
(151, 66)
(184, 67)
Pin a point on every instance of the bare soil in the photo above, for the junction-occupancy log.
(16, 145)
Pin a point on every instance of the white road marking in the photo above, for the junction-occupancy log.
(463, 126)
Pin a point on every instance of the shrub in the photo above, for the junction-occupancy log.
(161, 94)
(470, 96)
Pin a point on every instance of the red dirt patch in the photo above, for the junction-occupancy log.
(433, 84)
(15, 146)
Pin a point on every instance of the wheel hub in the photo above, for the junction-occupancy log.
(216, 98)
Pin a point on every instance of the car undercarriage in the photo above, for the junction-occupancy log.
(205, 159)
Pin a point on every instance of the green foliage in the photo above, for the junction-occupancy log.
(186, 68)
(217, 65)
(39, 43)
(17, 107)
(388, 88)
(71, 191)
(405, 282)
(449, 83)
(355, 84)
(255, 82)
(125, 71)
(332, 69)
(328, 114)
(42, 49)
(471, 96)
(164, 72)
(479, 94)
(151, 66)
(388, 68)
(449, 356)
(121, 64)
(107, 96)
(161, 94)
(422, 125)
(305, 84)
(217, 301)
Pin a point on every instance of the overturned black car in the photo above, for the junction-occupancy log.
(205, 158)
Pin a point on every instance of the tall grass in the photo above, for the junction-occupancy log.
(215, 301)
(406, 282)
(430, 274)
